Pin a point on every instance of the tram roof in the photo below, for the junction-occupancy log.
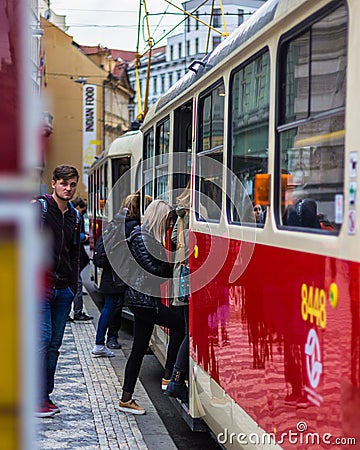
(124, 145)
(244, 32)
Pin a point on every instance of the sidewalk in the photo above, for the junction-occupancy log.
(88, 390)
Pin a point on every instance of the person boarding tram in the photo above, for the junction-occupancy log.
(144, 300)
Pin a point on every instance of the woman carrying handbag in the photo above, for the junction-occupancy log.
(144, 298)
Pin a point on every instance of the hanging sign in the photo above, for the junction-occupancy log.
(89, 128)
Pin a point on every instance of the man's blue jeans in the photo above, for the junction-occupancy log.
(54, 313)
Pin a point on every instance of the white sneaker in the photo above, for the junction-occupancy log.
(102, 350)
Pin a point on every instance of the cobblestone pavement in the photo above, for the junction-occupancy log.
(87, 390)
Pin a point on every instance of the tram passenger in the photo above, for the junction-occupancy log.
(257, 212)
(132, 205)
(302, 214)
(153, 268)
(111, 313)
(176, 386)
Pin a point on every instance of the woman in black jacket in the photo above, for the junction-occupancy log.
(144, 298)
(111, 287)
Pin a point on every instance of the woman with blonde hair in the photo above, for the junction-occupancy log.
(144, 297)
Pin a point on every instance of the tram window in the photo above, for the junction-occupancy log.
(148, 163)
(91, 194)
(106, 190)
(249, 135)
(210, 154)
(102, 197)
(120, 182)
(162, 160)
(311, 150)
(97, 191)
(182, 144)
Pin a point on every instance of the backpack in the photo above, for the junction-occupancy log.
(44, 210)
(111, 249)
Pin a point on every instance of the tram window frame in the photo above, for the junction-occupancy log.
(120, 181)
(97, 192)
(162, 158)
(148, 163)
(213, 209)
(248, 84)
(91, 194)
(106, 189)
(182, 146)
(320, 154)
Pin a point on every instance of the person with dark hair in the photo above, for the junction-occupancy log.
(60, 223)
(109, 322)
(79, 316)
(303, 214)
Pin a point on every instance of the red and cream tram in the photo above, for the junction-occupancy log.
(270, 117)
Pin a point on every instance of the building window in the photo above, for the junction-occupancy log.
(178, 73)
(162, 84)
(170, 79)
(197, 22)
(171, 52)
(187, 48)
(188, 27)
(196, 46)
(216, 18)
(240, 16)
(155, 85)
(180, 49)
(216, 41)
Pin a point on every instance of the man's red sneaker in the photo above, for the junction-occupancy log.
(44, 410)
(52, 406)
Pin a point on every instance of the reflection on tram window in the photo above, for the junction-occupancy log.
(312, 114)
(249, 135)
(148, 163)
(210, 154)
(162, 160)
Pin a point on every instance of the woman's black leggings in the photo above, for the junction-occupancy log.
(145, 319)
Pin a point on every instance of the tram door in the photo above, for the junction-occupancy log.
(182, 146)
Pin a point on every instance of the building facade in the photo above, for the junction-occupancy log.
(72, 78)
(170, 63)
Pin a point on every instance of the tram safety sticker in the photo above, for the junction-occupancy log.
(351, 221)
(314, 366)
(352, 193)
(339, 208)
(353, 164)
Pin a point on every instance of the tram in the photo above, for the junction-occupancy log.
(113, 175)
(270, 117)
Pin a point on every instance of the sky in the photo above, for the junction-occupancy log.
(114, 23)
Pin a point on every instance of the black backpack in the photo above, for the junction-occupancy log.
(111, 250)
(44, 210)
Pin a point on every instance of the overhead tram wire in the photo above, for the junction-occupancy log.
(176, 26)
(151, 42)
(140, 115)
